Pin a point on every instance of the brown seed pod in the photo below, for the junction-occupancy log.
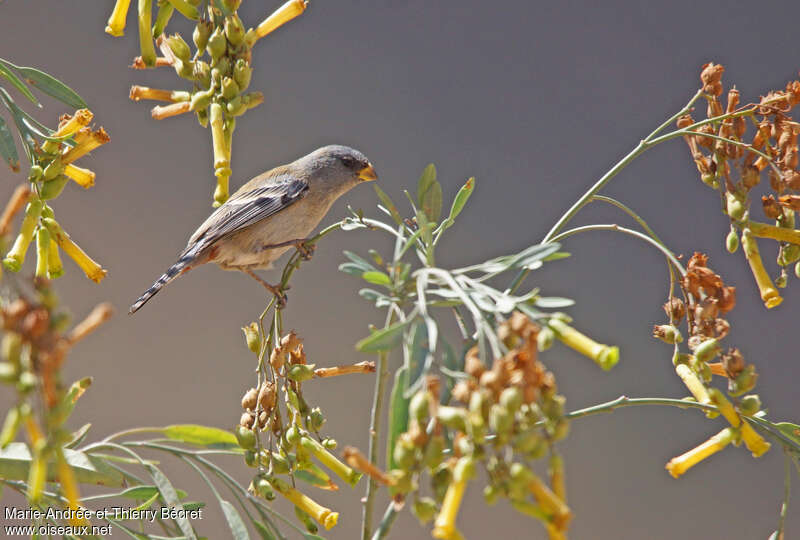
(35, 323)
(249, 399)
(247, 419)
(473, 364)
(267, 396)
(675, 309)
(733, 362)
(277, 359)
(262, 419)
(290, 341)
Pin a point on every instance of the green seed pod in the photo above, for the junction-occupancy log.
(750, 405)
(424, 509)
(491, 494)
(53, 169)
(242, 73)
(544, 339)
(201, 34)
(27, 381)
(179, 47)
(235, 107)
(744, 382)
(263, 488)
(16, 256)
(293, 435)
(201, 100)
(667, 333)
(403, 482)
(9, 373)
(245, 437)
(252, 99)
(316, 419)
(519, 475)
(453, 417)
(280, 464)
(184, 69)
(560, 429)
(252, 337)
(329, 444)
(735, 206)
(202, 74)
(10, 427)
(404, 453)
(538, 451)
(216, 44)
(511, 398)
(440, 480)
(464, 469)
(53, 188)
(526, 441)
(781, 280)
(230, 89)
(250, 458)
(707, 350)
(680, 358)
(789, 254)
(554, 408)
(418, 406)
(501, 420)
(732, 241)
(434, 452)
(301, 372)
(479, 403)
(234, 29)
(35, 173)
(223, 65)
(42, 249)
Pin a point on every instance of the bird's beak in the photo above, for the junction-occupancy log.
(368, 173)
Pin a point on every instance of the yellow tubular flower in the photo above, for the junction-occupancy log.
(281, 16)
(16, 256)
(679, 465)
(37, 477)
(329, 460)
(42, 251)
(693, 383)
(444, 527)
(752, 440)
(557, 477)
(763, 230)
(116, 22)
(83, 177)
(145, 33)
(604, 356)
(92, 270)
(54, 267)
(69, 487)
(86, 142)
(80, 119)
(324, 516)
(769, 294)
(366, 366)
(550, 501)
(222, 168)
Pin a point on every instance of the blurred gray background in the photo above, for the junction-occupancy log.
(534, 99)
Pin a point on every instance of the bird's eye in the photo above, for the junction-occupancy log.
(348, 162)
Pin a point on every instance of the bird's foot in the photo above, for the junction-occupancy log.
(280, 294)
(302, 245)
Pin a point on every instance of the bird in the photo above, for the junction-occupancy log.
(269, 214)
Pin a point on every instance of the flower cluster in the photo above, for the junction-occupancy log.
(501, 417)
(295, 446)
(727, 162)
(53, 166)
(219, 69)
(707, 300)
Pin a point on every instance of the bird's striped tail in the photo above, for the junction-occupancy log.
(184, 264)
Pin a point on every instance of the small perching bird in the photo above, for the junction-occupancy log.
(269, 214)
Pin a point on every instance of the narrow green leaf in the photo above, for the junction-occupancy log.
(263, 531)
(426, 180)
(15, 460)
(51, 86)
(557, 256)
(8, 150)
(461, 199)
(388, 204)
(171, 499)
(351, 268)
(5, 71)
(198, 435)
(429, 194)
(310, 478)
(398, 413)
(361, 262)
(377, 278)
(790, 430)
(237, 526)
(384, 339)
(149, 502)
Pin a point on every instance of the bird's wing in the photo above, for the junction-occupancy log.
(249, 206)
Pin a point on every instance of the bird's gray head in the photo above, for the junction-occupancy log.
(337, 165)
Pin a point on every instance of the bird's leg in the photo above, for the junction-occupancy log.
(279, 294)
(300, 244)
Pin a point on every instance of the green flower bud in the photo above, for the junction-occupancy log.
(526, 441)
(554, 408)
(667, 333)
(253, 99)
(235, 107)
(404, 453)
(501, 420)
(8, 372)
(544, 339)
(511, 398)
(53, 188)
(520, 475)
(35, 173)
(16, 256)
(418, 406)
(201, 34)
(316, 419)
(464, 469)
(750, 405)
(53, 169)
(293, 435)
(491, 494)
(216, 44)
(179, 47)
(424, 509)
(560, 430)
(329, 444)
(245, 437)
(710, 180)
(403, 482)
(250, 458)
(252, 337)
(27, 381)
(707, 350)
(230, 89)
(201, 100)
(781, 280)
(789, 254)
(680, 358)
(184, 69)
(732, 241)
(301, 372)
(453, 417)
(735, 206)
(242, 73)
(744, 382)
(202, 74)
(263, 488)
(280, 464)
(434, 452)
(440, 480)
(234, 29)
(10, 427)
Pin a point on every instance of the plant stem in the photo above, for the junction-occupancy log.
(386, 523)
(787, 483)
